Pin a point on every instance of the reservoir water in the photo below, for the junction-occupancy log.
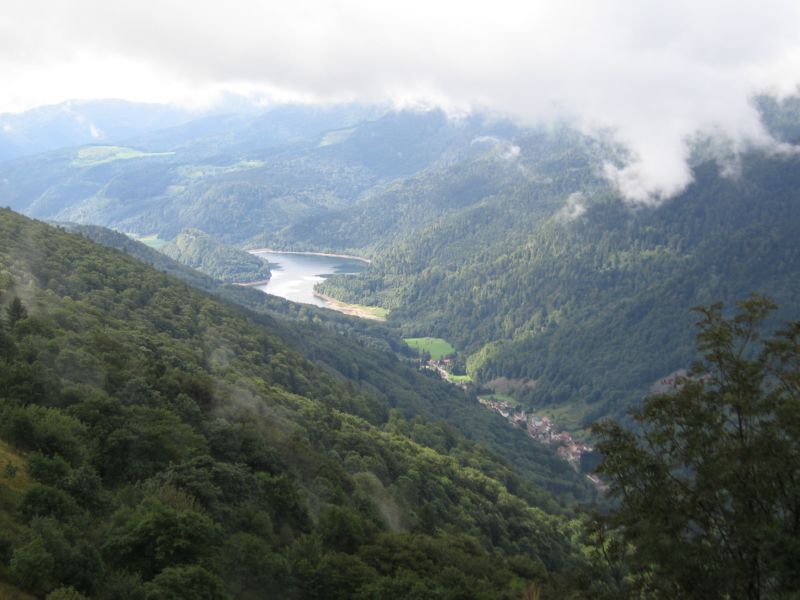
(295, 274)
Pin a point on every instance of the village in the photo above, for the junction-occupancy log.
(543, 429)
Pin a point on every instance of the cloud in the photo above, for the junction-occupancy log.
(654, 73)
(573, 208)
(503, 149)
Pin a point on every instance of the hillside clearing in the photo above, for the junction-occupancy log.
(438, 348)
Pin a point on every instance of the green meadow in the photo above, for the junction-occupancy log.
(97, 155)
(436, 347)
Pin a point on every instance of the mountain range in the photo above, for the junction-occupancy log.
(166, 433)
(507, 241)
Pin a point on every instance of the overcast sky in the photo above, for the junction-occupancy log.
(655, 72)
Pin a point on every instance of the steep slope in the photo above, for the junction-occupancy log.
(364, 354)
(593, 301)
(504, 186)
(176, 445)
(141, 252)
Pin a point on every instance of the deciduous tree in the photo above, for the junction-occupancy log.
(709, 483)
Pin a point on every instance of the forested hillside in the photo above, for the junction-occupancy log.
(198, 250)
(364, 353)
(508, 242)
(498, 193)
(162, 443)
(238, 177)
(592, 302)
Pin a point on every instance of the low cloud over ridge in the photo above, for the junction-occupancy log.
(652, 73)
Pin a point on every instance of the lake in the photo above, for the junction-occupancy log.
(295, 274)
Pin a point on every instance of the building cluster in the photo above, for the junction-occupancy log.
(543, 429)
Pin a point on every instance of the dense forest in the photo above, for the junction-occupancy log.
(198, 250)
(240, 178)
(165, 434)
(506, 241)
(162, 443)
(593, 305)
(706, 481)
(421, 301)
(364, 353)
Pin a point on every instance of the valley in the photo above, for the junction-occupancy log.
(399, 301)
(203, 374)
(257, 436)
(527, 261)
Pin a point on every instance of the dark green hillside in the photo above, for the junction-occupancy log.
(363, 353)
(198, 250)
(142, 252)
(176, 447)
(499, 192)
(505, 241)
(594, 308)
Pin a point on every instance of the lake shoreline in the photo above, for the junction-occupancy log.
(252, 283)
(354, 310)
(328, 254)
(295, 274)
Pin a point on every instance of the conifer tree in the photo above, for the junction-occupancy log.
(15, 312)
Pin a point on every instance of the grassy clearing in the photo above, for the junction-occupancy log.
(460, 378)
(14, 481)
(9, 592)
(155, 242)
(336, 137)
(436, 347)
(18, 483)
(98, 155)
(376, 311)
(569, 417)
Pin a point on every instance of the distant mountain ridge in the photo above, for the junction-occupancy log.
(79, 122)
(242, 178)
(507, 241)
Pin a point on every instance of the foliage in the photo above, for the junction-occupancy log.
(708, 483)
(592, 307)
(186, 583)
(200, 251)
(505, 241)
(181, 447)
(238, 176)
(98, 155)
(362, 352)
